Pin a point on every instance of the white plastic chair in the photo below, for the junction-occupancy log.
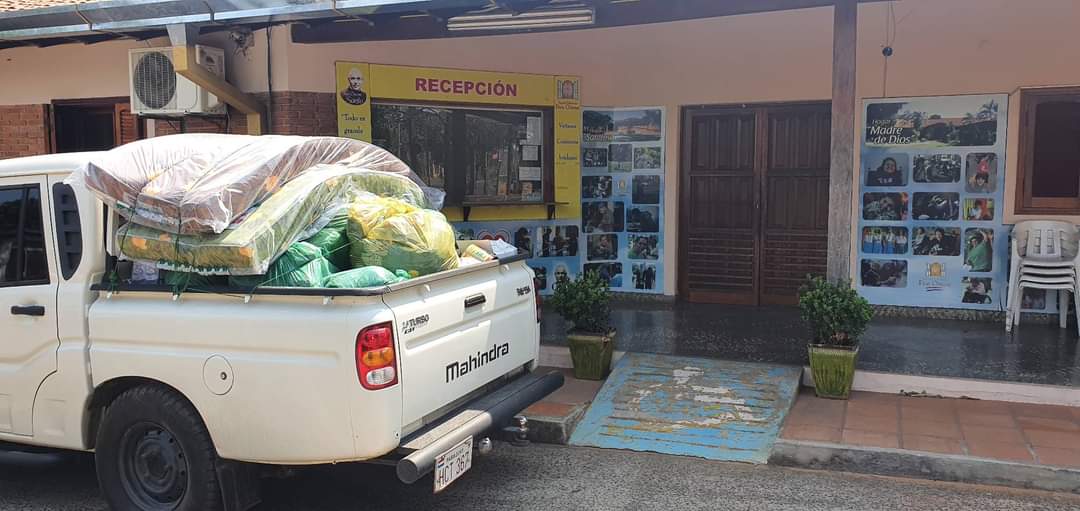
(1063, 286)
(1044, 255)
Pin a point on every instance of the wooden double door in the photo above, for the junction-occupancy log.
(754, 201)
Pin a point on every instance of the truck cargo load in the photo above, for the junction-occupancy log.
(200, 183)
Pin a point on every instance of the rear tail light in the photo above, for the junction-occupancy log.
(539, 301)
(376, 363)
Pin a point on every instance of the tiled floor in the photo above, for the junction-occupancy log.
(1034, 353)
(1039, 434)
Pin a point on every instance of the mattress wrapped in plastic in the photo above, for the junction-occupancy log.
(397, 235)
(200, 183)
(299, 210)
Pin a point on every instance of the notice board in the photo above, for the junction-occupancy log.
(931, 188)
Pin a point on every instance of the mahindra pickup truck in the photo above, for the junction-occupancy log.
(186, 399)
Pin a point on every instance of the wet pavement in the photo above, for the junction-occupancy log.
(1034, 353)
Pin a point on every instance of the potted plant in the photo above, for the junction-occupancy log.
(584, 302)
(838, 316)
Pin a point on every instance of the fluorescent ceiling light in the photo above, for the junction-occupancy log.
(546, 18)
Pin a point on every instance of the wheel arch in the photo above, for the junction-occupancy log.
(105, 393)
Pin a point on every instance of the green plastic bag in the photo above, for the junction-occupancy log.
(333, 242)
(302, 265)
(368, 276)
(398, 236)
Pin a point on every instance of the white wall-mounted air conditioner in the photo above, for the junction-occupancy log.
(156, 89)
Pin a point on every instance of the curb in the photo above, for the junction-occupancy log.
(923, 465)
(894, 383)
(555, 430)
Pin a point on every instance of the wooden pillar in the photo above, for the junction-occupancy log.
(841, 168)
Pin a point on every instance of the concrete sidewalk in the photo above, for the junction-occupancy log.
(552, 420)
(972, 441)
(1019, 445)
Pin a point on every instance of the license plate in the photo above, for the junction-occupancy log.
(451, 464)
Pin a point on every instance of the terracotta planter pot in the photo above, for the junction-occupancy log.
(833, 368)
(591, 354)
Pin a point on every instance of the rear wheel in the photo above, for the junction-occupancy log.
(154, 453)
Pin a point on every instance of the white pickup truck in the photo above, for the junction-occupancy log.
(187, 399)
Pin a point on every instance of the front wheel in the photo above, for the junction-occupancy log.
(154, 453)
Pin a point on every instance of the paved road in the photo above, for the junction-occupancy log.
(552, 478)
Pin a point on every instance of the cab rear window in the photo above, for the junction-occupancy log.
(22, 237)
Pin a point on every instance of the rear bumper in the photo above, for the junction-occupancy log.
(472, 419)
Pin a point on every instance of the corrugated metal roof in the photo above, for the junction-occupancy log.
(25, 5)
(35, 20)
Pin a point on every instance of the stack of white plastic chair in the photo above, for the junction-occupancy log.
(1044, 256)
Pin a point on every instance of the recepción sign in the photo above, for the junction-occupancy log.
(462, 86)
(358, 83)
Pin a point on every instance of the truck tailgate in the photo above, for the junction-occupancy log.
(454, 335)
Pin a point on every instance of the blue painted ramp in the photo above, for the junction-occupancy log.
(713, 409)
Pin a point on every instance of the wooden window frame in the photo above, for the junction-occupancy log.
(1026, 204)
(455, 189)
(115, 102)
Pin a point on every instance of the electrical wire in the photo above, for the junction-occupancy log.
(891, 26)
(886, 49)
(269, 84)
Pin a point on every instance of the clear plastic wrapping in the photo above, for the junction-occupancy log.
(302, 265)
(299, 210)
(396, 235)
(333, 241)
(200, 183)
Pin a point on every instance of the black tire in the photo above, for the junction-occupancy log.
(154, 453)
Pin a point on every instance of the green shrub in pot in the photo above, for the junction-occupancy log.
(585, 302)
(837, 315)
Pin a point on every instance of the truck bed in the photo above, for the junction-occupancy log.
(274, 371)
(104, 285)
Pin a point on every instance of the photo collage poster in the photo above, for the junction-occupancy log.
(622, 196)
(553, 246)
(931, 188)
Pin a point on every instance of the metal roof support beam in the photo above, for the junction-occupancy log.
(184, 34)
(185, 64)
(842, 166)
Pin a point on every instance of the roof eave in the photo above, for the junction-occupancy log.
(142, 15)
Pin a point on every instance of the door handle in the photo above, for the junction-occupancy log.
(475, 300)
(28, 310)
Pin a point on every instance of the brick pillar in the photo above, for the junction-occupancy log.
(23, 130)
(292, 113)
(304, 113)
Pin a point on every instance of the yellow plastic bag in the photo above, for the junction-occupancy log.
(398, 236)
(370, 213)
